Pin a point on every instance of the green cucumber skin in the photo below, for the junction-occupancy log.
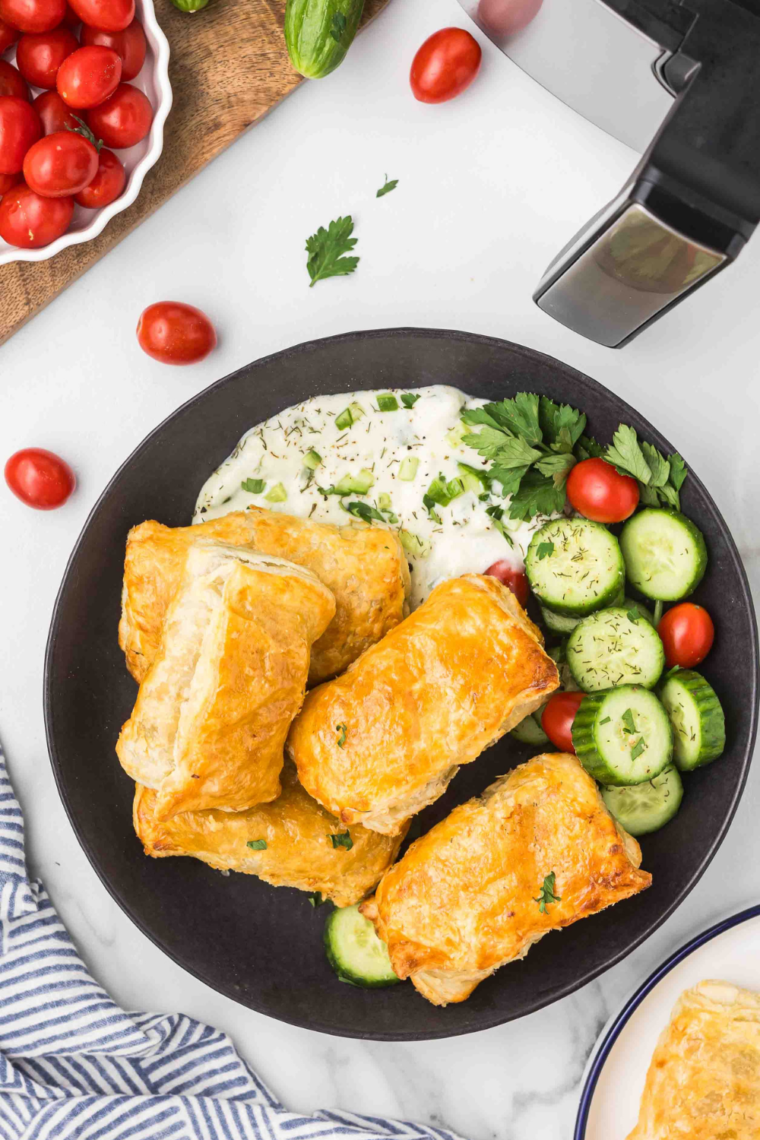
(711, 717)
(313, 50)
(345, 974)
(580, 674)
(530, 730)
(614, 799)
(626, 542)
(584, 740)
(533, 569)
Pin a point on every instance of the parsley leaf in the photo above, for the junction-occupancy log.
(545, 550)
(386, 189)
(536, 495)
(326, 248)
(633, 615)
(338, 26)
(342, 729)
(364, 511)
(257, 844)
(343, 839)
(519, 416)
(558, 466)
(562, 426)
(659, 479)
(409, 399)
(588, 448)
(254, 486)
(547, 895)
(628, 721)
(317, 899)
(677, 471)
(638, 748)
(626, 456)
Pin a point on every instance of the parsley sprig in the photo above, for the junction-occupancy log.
(659, 479)
(547, 896)
(326, 248)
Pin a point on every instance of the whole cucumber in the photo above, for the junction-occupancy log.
(318, 33)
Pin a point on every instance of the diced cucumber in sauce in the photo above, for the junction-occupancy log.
(574, 566)
(355, 484)
(696, 715)
(622, 736)
(610, 648)
(354, 950)
(530, 730)
(665, 554)
(643, 808)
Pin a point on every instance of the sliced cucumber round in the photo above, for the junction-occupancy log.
(354, 950)
(530, 730)
(643, 808)
(574, 566)
(696, 715)
(558, 623)
(665, 554)
(612, 648)
(622, 736)
(631, 606)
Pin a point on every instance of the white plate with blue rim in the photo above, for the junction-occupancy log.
(616, 1071)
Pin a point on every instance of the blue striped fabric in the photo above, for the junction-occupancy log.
(74, 1066)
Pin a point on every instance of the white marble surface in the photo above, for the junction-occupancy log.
(491, 185)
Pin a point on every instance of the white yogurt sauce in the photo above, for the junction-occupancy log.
(464, 541)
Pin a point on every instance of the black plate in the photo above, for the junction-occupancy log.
(260, 945)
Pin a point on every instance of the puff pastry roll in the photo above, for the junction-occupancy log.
(296, 830)
(704, 1079)
(364, 567)
(467, 897)
(382, 741)
(212, 715)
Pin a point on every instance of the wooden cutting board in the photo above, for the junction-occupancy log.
(228, 67)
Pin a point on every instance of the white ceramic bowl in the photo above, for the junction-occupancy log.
(154, 81)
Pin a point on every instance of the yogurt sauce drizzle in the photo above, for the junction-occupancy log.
(377, 442)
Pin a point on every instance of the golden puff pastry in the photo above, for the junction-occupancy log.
(212, 715)
(704, 1079)
(467, 897)
(382, 741)
(364, 567)
(299, 851)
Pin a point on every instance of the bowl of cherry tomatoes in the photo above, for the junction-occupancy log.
(84, 95)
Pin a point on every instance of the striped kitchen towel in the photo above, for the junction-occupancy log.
(74, 1066)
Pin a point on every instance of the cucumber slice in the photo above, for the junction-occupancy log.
(696, 715)
(622, 736)
(354, 950)
(559, 657)
(644, 808)
(530, 730)
(562, 624)
(609, 648)
(574, 566)
(665, 554)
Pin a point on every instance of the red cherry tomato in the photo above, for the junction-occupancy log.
(123, 120)
(33, 15)
(130, 45)
(30, 221)
(557, 719)
(107, 184)
(507, 17)
(11, 81)
(175, 333)
(445, 65)
(20, 127)
(54, 114)
(110, 15)
(71, 20)
(512, 577)
(60, 165)
(88, 77)
(8, 36)
(8, 180)
(40, 478)
(38, 57)
(687, 632)
(596, 490)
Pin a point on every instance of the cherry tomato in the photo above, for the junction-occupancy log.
(33, 15)
(38, 57)
(596, 490)
(40, 478)
(20, 127)
(513, 578)
(175, 333)
(71, 20)
(445, 65)
(507, 17)
(107, 184)
(130, 45)
(687, 632)
(30, 221)
(54, 114)
(8, 180)
(12, 82)
(110, 15)
(8, 36)
(557, 719)
(123, 120)
(88, 77)
(60, 165)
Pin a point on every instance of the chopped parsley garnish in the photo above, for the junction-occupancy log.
(387, 403)
(638, 748)
(326, 249)
(547, 895)
(254, 486)
(257, 844)
(606, 720)
(364, 511)
(386, 189)
(628, 722)
(343, 839)
(545, 550)
(317, 899)
(633, 616)
(409, 399)
(342, 730)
